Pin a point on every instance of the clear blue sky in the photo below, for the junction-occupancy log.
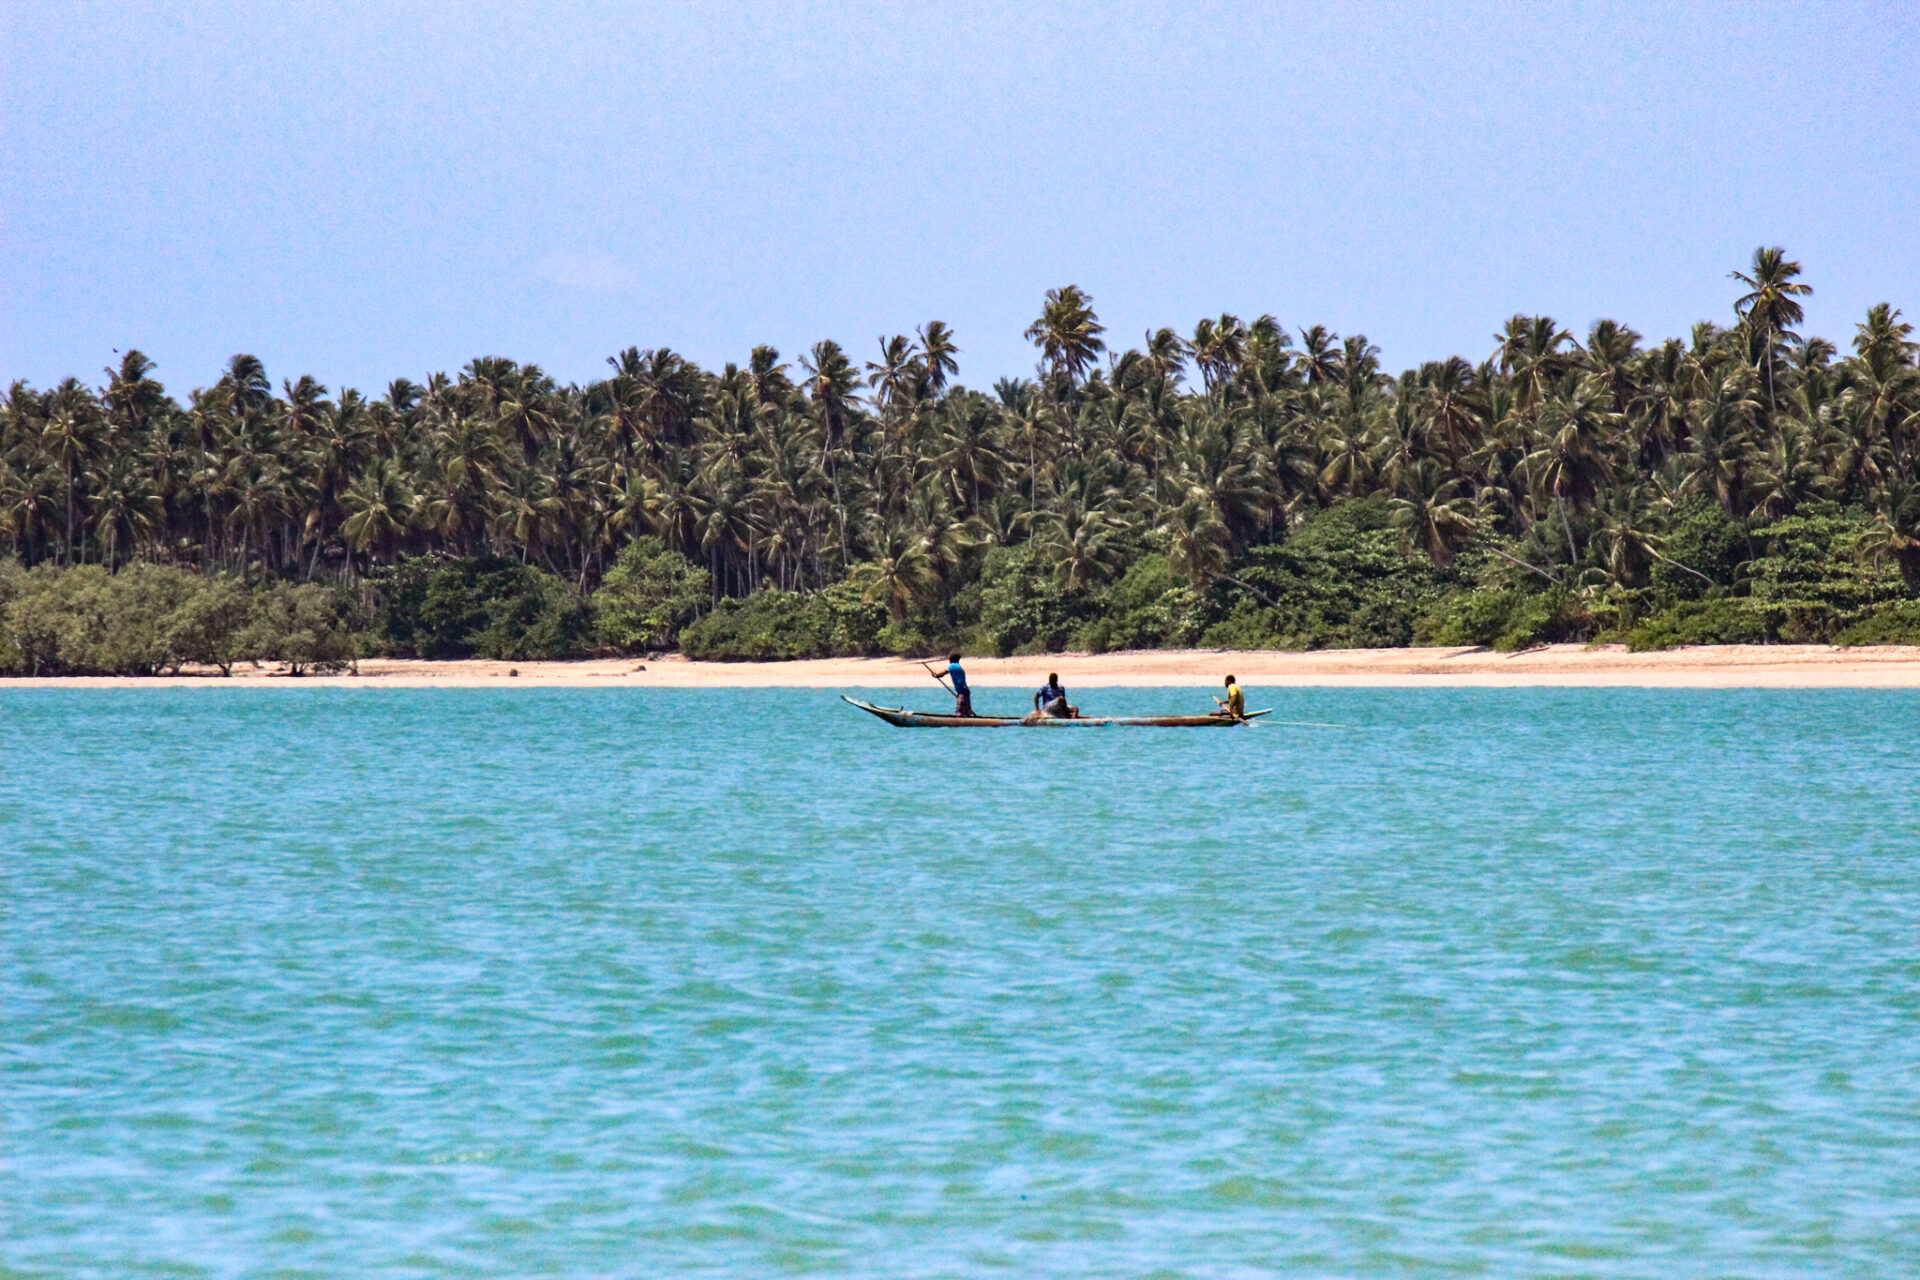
(368, 190)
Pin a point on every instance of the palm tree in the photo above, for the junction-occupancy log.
(1435, 513)
(937, 355)
(124, 505)
(1454, 405)
(1531, 354)
(248, 392)
(341, 441)
(901, 574)
(31, 492)
(71, 436)
(524, 511)
(134, 401)
(1790, 473)
(1610, 354)
(968, 440)
(1083, 545)
(1319, 358)
(1219, 348)
(832, 389)
(380, 510)
(898, 374)
(1572, 461)
(1770, 304)
(1896, 527)
(1067, 333)
(1722, 447)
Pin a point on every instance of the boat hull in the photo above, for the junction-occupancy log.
(904, 719)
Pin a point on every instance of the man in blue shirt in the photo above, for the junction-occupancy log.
(1051, 699)
(962, 696)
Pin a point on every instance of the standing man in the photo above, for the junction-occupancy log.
(962, 696)
(1235, 705)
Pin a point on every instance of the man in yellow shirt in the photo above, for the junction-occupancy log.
(1235, 704)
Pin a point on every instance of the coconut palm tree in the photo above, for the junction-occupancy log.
(71, 435)
(124, 505)
(1573, 462)
(938, 356)
(1199, 547)
(1067, 333)
(1771, 304)
(1533, 356)
(1081, 545)
(1219, 348)
(1435, 512)
(900, 575)
(1722, 448)
(380, 510)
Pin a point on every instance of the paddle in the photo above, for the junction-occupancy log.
(937, 676)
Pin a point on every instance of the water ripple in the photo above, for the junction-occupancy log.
(582, 982)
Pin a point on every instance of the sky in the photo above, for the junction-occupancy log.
(370, 189)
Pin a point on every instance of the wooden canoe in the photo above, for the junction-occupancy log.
(941, 720)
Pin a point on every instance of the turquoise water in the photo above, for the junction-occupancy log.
(342, 982)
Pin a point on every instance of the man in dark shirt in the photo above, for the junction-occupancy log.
(1051, 699)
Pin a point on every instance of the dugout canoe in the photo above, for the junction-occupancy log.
(905, 719)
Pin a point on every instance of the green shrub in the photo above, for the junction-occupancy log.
(772, 624)
(1147, 607)
(479, 607)
(1896, 623)
(909, 639)
(209, 627)
(144, 619)
(44, 623)
(1022, 610)
(1343, 580)
(1814, 578)
(1704, 538)
(306, 627)
(12, 575)
(87, 621)
(1505, 618)
(1722, 620)
(648, 596)
(130, 617)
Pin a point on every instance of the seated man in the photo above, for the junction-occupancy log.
(1051, 699)
(1235, 705)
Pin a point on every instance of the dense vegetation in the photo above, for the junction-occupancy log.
(1236, 487)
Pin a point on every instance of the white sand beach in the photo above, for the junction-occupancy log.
(1707, 667)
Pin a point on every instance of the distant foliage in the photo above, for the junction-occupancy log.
(1721, 620)
(305, 626)
(478, 606)
(1896, 623)
(1238, 484)
(1345, 580)
(1022, 609)
(1150, 607)
(774, 624)
(150, 619)
(1816, 574)
(647, 597)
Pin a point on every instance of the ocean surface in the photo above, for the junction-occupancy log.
(628, 983)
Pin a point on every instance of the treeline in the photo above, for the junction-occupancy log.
(150, 619)
(1238, 486)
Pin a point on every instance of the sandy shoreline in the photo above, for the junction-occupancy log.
(1716, 667)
